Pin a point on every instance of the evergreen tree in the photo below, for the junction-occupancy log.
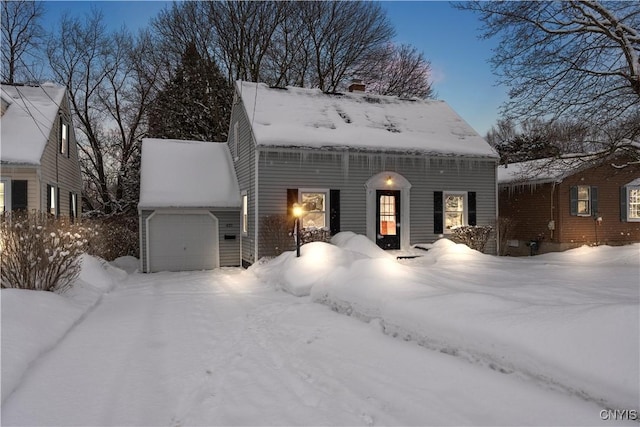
(195, 104)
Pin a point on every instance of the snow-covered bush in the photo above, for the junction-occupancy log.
(474, 236)
(117, 236)
(40, 252)
(314, 234)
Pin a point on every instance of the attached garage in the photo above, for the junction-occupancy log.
(189, 217)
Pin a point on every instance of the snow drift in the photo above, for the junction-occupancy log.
(558, 319)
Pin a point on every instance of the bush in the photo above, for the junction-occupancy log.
(275, 234)
(474, 236)
(313, 234)
(506, 226)
(117, 236)
(40, 252)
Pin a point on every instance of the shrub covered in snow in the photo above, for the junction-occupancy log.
(314, 234)
(474, 236)
(40, 252)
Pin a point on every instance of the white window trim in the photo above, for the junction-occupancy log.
(465, 209)
(631, 186)
(244, 214)
(64, 138)
(327, 206)
(53, 200)
(7, 193)
(588, 213)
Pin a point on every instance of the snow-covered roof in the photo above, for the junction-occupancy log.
(27, 121)
(538, 171)
(176, 173)
(296, 117)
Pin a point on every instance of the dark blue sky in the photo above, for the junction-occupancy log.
(448, 38)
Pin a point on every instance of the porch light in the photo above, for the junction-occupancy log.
(297, 213)
(389, 180)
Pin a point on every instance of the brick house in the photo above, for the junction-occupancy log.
(568, 205)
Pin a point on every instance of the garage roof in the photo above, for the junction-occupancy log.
(178, 173)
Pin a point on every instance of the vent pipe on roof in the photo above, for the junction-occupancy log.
(356, 86)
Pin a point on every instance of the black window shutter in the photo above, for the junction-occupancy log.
(623, 204)
(57, 202)
(594, 201)
(573, 200)
(438, 227)
(292, 197)
(48, 199)
(334, 213)
(19, 200)
(471, 200)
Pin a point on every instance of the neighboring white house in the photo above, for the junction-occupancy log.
(189, 206)
(39, 167)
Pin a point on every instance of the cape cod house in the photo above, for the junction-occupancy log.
(39, 168)
(400, 171)
(569, 204)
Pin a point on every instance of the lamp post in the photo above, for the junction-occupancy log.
(297, 213)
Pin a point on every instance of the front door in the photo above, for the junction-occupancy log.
(388, 219)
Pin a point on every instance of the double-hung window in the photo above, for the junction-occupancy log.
(630, 202)
(52, 200)
(245, 213)
(454, 210)
(64, 138)
(584, 200)
(315, 204)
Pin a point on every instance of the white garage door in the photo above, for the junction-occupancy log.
(181, 242)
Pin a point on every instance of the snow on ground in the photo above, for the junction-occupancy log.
(568, 320)
(518, 342)
(35, 322)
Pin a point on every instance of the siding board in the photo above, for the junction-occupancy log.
(282, 169)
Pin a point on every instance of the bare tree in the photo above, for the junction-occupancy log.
(399, 70)
(109, 86)
(175, 28)
(244, 34)
(21, 34)
(342, 35)
(571, 59)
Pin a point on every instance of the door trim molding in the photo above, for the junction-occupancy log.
(398, 183)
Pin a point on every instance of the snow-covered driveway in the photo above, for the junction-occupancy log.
(222, 348)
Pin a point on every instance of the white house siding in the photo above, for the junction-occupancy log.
(228, 225)
(280, 169)
(59, 169)
(29, 174)
(55, 169)
(244, 165)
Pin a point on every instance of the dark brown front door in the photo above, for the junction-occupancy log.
(388, 219)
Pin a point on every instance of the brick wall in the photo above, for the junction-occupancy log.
(532, 207)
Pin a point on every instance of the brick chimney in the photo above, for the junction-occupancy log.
(356, 86)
